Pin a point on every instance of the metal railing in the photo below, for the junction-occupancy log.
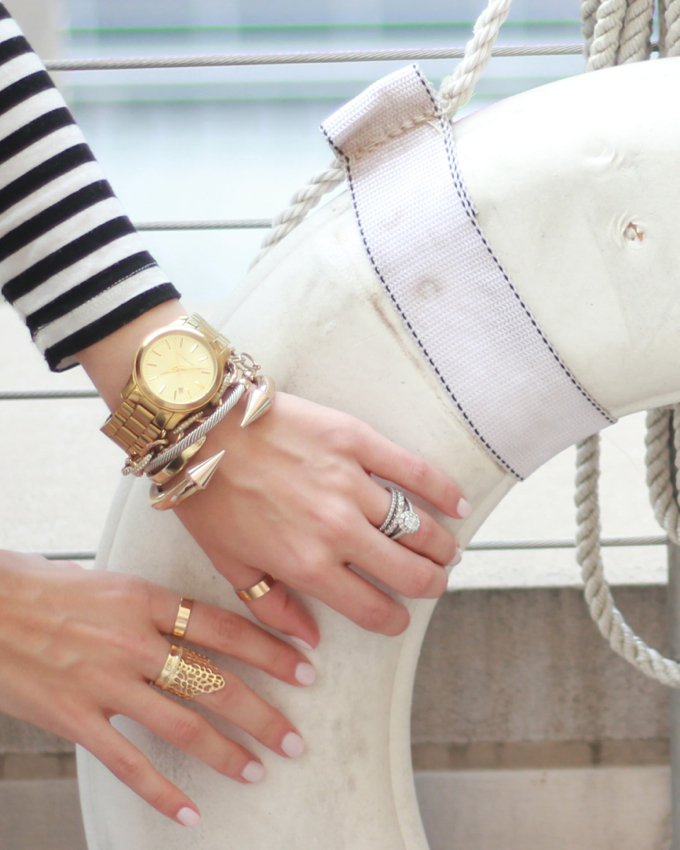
(418, 54)
(477, 546)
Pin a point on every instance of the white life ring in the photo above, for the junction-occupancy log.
(558, 176)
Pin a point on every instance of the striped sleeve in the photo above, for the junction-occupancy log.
(71, 263)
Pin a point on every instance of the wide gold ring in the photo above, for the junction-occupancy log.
(186, 674)
(257, 590)
(186, 605)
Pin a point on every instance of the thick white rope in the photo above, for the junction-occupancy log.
(588, 19)
(671, 45)
(621, 34)
(635, 44)
(663, 430)
(606, 35)
(456, 90)
(604, 612)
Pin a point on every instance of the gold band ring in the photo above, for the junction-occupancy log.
(186, 605)
(186, 673)
(257, 590)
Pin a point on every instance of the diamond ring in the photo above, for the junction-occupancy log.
(401, 518)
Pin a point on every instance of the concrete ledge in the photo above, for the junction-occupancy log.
(41, 815)
(589, 809)
(594, 808)
(38, 766)
(498, 755)
(16, 736)
(529, 665)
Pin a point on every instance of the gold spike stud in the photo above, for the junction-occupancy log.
(197, 478)
(260, 399)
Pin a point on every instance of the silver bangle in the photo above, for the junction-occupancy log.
(228, 403)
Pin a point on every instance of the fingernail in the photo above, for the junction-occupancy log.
(253, 771)
(292, 745)
(188, 817)
(464, 508)
(458, 558)
(305, 674)
(302, 644)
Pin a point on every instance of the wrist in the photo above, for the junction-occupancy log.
(109, 362)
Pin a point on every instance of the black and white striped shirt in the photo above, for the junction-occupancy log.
(71, 262)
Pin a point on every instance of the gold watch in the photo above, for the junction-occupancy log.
(178, 370)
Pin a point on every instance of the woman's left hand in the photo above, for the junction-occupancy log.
(294, 497)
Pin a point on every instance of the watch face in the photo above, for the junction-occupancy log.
(179, 369)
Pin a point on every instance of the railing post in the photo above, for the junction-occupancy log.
(674, 641)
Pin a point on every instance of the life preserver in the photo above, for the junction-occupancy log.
(575, 189)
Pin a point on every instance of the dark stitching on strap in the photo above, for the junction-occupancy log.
(467, 205)
(403, 315)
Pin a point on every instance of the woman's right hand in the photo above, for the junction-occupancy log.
(78, 647)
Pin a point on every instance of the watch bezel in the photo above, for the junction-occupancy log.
(195, 404)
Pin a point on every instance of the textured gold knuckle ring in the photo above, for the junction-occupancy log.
(257, 590)
(186, 674)
(186, 605)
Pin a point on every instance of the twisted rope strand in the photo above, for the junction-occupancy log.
(671, 46)
(304, 200)
(607, 34)
(599, 599)
(588, 19)
(635, 45)
(660, 423)
(456, 90)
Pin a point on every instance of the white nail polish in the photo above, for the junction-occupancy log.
(464, 508)
(188, 817)
(305, 674)
(458, 558)
(301, 644)
(253, 771)
(292, 745)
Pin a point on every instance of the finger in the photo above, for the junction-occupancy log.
(234, 635)
(241, 705)
(407, 572)
(360, 601)
(235, 701)
(278, 608)
(190, 732)
(134, 769)
(393, 463)
(281, 610)
(431, 540)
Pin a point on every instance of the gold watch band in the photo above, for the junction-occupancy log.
(132, 427)
(136, 423)
(217, 339)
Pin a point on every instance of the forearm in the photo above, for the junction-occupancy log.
(71, 262)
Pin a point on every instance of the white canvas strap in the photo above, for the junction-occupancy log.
(420, 231)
